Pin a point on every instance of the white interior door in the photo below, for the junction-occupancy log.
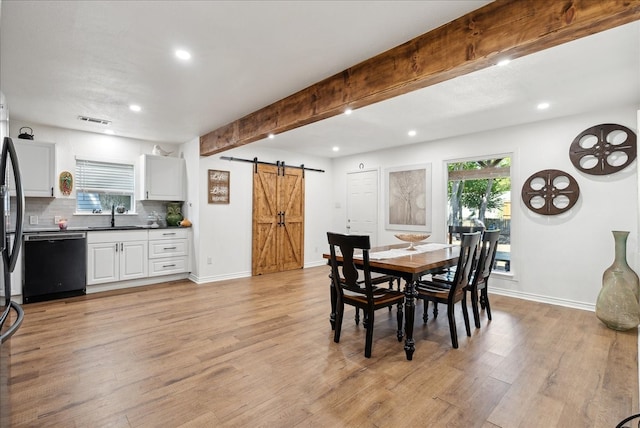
(362, 204)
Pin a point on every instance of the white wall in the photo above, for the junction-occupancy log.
(558, 259)
(70, 143)
(224, 231)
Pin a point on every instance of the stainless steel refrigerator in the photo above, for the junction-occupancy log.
(11, 314)
(10, 226)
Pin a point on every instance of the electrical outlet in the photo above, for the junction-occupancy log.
(208, 260)
(56, 219)
(33, 219)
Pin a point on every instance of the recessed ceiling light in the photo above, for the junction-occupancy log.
(503, 62)
(134, 107)
(183, 55)
(348, 111)
(412, 133)
(109, 131)
(543, 106)
(271, 136)
(336, 149)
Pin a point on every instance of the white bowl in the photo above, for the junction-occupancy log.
(411, 238)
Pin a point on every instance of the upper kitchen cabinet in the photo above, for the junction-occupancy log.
(162, 178)
(37, 163)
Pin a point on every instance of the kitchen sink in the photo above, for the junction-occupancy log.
(114, 227)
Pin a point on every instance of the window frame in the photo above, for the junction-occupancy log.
(485, 157)
(85, 188)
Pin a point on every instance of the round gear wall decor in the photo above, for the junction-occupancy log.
(550, 192)
(603, 149)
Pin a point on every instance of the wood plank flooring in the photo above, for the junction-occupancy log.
(259, 352)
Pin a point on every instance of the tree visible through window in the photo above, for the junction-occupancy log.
(479, 193)
(101, 185)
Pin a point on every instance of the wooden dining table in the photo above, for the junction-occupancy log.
(410, 266)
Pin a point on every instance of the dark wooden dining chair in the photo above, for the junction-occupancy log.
(377, 279)
(360, 293)
(459, 230)
(484, 267)
(448, 273)
(456, 290)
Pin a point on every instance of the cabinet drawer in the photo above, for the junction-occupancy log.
(167, 266)
(168, 248)
(176, 233)
(117, 236)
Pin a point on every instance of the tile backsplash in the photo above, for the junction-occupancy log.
(46, 209)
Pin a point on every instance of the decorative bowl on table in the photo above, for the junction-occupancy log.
(411, 238)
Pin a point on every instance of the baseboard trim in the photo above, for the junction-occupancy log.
(217, 278)
(109, 286)
(543, 299)
(316, 264)
(237, 275)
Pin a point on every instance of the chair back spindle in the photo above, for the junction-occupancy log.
(489, 246)
(468, 253)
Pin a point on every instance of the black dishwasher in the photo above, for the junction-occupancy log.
(55, 266)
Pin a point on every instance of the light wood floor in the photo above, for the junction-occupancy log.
(260, 352)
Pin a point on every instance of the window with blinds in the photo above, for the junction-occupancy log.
(101, 185)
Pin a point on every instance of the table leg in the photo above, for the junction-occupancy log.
(409, 314)
(334, 297)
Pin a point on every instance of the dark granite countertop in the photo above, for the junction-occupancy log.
(53, 229)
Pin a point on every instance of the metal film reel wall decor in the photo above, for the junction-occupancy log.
(603, 149)
(550, 192)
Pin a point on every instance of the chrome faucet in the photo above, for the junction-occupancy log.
(113, 215)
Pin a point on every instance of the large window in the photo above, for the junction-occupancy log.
(101, 185)
(479, 194)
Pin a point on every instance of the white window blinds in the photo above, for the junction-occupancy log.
(104, 177)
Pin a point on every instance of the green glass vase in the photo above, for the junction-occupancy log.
(618, 304)
(174, 213)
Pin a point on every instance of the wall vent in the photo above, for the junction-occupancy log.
(94, 120)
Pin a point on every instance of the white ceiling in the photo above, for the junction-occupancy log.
(62, 59)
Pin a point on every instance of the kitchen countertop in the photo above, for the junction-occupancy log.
(53, 229)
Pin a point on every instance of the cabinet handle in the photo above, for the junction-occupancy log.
(147, 194)
(121, 246)
(116, 247)
(52, 191)
(169, 248)
(165, 266)
(168, 233)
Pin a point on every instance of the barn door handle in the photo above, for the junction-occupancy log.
(283, 218)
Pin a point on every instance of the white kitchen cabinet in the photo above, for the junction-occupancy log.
(162, 178)
(37, 168)
(168, 251)
(116, 256)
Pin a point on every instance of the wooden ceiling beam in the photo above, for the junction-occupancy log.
(503, 28)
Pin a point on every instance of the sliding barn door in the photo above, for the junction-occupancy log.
(278, 219)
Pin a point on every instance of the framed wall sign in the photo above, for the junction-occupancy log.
(218, 189)
(408, 198)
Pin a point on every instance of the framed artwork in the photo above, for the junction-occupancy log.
(66, 183)
(218, 189)
(408, 198)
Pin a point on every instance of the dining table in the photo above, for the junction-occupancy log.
(409, 264)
